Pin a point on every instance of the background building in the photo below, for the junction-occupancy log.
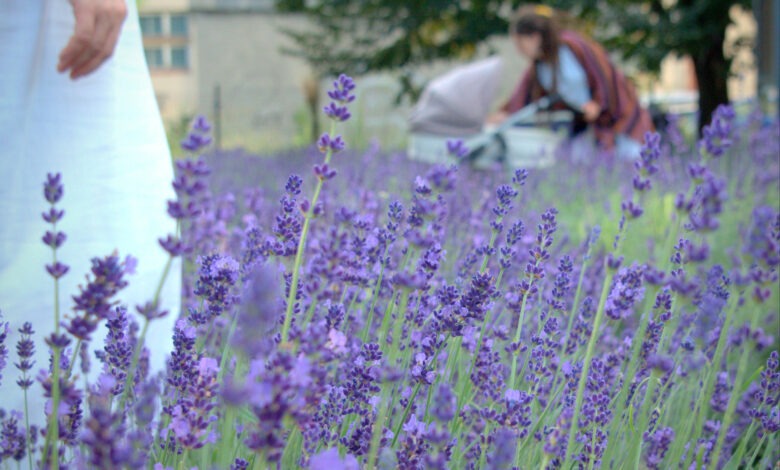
(224, 59)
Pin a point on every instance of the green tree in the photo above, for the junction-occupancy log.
(358, 36)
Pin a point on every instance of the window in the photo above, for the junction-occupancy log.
(179, 58)
(178, 25)
(154, 57)
(151, 25)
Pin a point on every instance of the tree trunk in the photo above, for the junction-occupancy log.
(712, 71)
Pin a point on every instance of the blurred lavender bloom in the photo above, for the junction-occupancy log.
(709, 198)
(105, 434)
(505, 443)
(118, 349)
(4, 328)
(716, 136)
(192, 416)
(331, 460)
(767, 397)
(646, 165)
(763, 239)
(414, 445)
(198, 138)
(457, 148)
(13, 439)
(337, 112)
(217, 275)
(721, 393)
(444, 403)
(658, 445)
(95, 301)
(626, 291)
(342, 89)
(519, 177)
(53, 189)
(333, 144)
(25, 349)
(660, 362)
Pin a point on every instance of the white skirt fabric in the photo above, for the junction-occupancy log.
(104, 134)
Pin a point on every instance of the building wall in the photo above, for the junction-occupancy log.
(260, 89)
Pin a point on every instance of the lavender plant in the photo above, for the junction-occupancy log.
(408, 316)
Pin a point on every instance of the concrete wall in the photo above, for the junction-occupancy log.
(260, 89)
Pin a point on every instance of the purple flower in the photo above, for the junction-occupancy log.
(658, 445)
(341, 94)
(716, 137)
(201, 124)
(342, 89)
(25, 349)
(13, 440)
(336, 112)
(53, 216)
(660, 362)
(626, 291)
(191, 418)
(457, 148)
(96, 299)
(3, 347)
(53, 240)
(216, 277)
(445, 403)
(327, 143)
(330, 460)
(519, 177)
(709, 198)
(323, 172)
(174, 246)
(53, 188)
(257, 311)
(118, 349)
(645, 166)
(198, 138)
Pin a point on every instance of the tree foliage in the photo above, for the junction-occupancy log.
(359, 36)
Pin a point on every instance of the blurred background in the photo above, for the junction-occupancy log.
(258, 68)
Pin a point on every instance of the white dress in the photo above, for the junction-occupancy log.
(104, 134)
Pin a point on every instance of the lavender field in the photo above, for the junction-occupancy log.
(351, 309)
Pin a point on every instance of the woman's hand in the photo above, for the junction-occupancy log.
(496, 118)
(591, 110)
(98, 24)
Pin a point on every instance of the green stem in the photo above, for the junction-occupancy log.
(52, 435)
(635, 452)
(586, 365)
(73, 357)
(518, 334)
(133, 366)
(736, 392)
(699, 412)
(414, 395)
(296, 271)
(755, 451)
(374, 295)
(405, 414)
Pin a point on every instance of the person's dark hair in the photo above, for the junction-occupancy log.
(530, 19)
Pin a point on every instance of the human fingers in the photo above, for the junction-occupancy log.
(80, 41)
(98, 25)
(104, 44)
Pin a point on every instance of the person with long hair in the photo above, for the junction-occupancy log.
(579, 73)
